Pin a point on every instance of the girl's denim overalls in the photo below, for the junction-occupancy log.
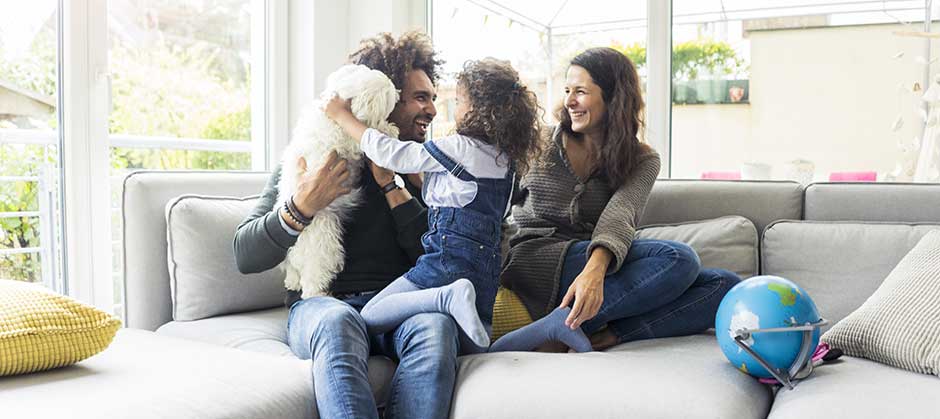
(464, 242)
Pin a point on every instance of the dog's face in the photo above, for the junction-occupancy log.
(373, 94)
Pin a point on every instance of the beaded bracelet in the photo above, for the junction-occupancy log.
(295, 213)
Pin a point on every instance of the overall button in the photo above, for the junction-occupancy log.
(578, 188)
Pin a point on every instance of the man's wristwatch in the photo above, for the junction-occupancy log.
(391, 186)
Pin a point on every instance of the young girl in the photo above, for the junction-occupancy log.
(467, 186)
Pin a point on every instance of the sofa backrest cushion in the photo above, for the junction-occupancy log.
(145, 195)
(899, 325)
(840, 264)
(762, 202)
(204, 278)
(881, 202)
(727, 242)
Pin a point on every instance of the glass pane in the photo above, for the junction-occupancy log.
(30, 235)
(180, 90)
(539, 38)
(805, 90)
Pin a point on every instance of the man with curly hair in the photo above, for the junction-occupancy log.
(382, 241)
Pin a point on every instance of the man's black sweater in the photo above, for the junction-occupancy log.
(381, 243)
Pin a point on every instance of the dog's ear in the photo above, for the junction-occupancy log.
(376, 100)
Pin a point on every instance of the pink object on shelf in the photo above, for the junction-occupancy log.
(722, 175)
(853, 176)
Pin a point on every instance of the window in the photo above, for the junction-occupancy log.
(539, 38)
(158, 85)
(30, 237)
(805, 90)
(180, 91)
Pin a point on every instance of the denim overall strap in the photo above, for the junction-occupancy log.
(453, 167)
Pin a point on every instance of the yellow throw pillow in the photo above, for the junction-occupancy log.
(41, 330)
(508, 313)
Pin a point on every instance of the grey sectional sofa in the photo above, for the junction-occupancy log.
(838, 241)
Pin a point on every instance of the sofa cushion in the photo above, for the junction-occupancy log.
(762, 202)
(878, 202)
(684, 377)
(840, 264)
(899, 324)
(145, 375)
(857, 388)
(40, 329)
(204, 279)
(143, 209)
(265, 331)
(728, 242)
(262, 331)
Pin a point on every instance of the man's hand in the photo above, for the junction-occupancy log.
(315, 191)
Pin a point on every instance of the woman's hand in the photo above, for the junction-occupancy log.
(587, 290)
(337, 107)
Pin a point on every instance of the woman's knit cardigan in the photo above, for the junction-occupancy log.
(558, 210)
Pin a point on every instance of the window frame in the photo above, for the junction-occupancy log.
(84, 141)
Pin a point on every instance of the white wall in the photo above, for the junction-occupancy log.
(828, 95)
(323, 32)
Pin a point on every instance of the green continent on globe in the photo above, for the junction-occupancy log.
(787, 294)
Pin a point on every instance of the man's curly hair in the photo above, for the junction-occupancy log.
(503, 111)
(396, 57)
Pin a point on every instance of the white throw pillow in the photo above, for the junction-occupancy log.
(727, 242)
(204, 280)
(899, 325)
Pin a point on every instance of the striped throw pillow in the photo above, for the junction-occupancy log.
(899, 325)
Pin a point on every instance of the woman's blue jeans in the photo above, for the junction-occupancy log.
(659, 291)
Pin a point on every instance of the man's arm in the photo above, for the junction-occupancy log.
(411, 218)
(261, 242)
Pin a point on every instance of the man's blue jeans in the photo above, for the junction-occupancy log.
(659, 291)
(331, 332)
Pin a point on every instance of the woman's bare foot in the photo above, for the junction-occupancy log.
(603, 340)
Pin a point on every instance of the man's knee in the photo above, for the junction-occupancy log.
(431, 331)
(340, 317)
(323, 322)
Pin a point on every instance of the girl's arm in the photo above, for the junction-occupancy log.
(339, 110)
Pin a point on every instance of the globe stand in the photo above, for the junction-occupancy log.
(802, 365)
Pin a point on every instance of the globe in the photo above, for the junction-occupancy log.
(763, 302)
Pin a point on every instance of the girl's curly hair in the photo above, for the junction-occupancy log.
(396, 57)
(503, 111)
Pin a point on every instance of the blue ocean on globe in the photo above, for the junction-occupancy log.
(763, 302)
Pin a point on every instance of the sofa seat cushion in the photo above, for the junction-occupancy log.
(146, 375)
(257, 331)
(265, 331)
(684, 377)
(858, 388)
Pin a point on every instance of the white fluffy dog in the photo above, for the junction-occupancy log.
(318, 255)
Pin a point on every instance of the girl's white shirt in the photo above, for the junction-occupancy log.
(442, 188)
